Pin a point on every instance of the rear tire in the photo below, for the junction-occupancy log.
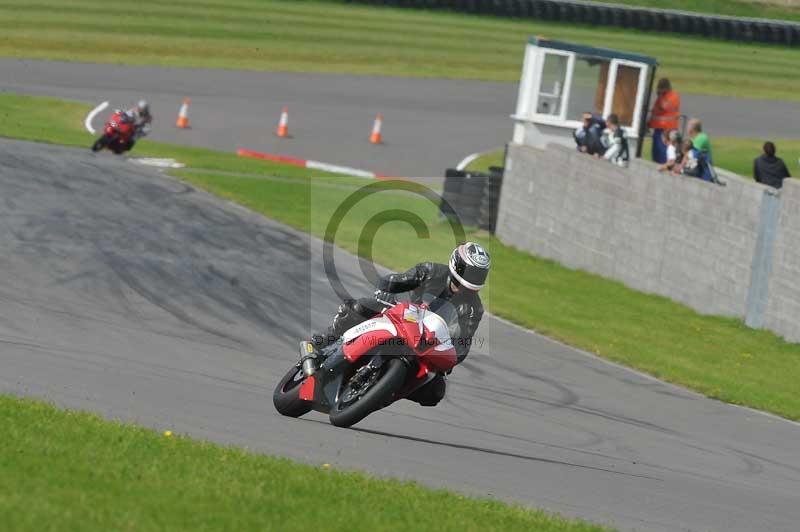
(121, 147)
(286, 396)
(394, 375)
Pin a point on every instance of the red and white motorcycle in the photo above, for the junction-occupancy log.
(118, 133)
(374, 364)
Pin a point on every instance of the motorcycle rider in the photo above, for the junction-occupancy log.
(140, 114)
(458, 282)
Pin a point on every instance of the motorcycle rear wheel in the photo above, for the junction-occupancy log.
(120, 147)
(286, 397)
(376, 397)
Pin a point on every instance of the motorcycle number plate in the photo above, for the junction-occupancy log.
(358, 330)
(369, 326)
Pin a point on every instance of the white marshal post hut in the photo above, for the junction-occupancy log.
(562, 81)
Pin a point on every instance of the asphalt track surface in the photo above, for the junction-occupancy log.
(126, 292)
(430, 124)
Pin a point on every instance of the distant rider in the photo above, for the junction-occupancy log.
(141, 117)
(458, 282)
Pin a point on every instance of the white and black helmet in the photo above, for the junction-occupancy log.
(469, 265)
(143, 107)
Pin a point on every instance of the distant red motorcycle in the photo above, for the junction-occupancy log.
(374, 364)
(118, 134)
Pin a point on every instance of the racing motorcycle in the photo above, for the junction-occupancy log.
(119, 133)
(374, 364)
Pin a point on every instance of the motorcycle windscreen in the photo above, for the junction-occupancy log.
(443, 325)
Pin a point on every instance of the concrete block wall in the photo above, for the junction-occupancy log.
(782, 313)
(682, 238)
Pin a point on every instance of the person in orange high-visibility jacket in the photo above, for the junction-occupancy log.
(665, 116)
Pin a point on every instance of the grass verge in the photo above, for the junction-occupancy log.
(719, 357)
(65, 470)
(361, 39)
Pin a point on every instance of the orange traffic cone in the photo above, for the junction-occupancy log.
(183, 115)
(283, 125)
(376, 137)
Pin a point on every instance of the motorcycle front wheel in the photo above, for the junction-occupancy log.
(101, 143)
(355, 403)
(286, 397)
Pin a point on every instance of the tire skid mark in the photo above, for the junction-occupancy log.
(121, 269)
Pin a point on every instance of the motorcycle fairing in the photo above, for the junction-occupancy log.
(441, 356)
(327, 381)
(307, 389)
(366, 336)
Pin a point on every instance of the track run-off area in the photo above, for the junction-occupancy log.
(429, 124)
(129, 293)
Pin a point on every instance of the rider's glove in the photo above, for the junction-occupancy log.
(385, 297)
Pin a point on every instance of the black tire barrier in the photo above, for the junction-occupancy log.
(775, 32)
(487, 219)
(794, 36)
(472, 197)
(472, 193)
(453, 180)
(660, 22)
(604, 17)
(631, 19)
(617, 17)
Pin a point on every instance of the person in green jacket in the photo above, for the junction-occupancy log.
(699, 138)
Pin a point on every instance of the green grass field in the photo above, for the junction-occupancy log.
(344, 38)
(70, 471)
(719, 357)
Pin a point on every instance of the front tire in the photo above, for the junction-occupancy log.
(100, 143)
(286, 397)
(376, 397)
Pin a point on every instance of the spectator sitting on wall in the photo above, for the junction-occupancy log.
(588, 136)
(703, 147)
(769, 169)
(673, 141)
(690, 164)
(665, 115)
(617, 151)
(699, 137)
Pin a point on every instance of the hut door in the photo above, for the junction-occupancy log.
(625, 92)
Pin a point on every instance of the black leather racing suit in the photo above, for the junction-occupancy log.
(424, 278)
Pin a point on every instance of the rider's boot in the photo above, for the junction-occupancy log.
(432, 393)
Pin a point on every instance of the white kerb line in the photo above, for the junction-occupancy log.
(91, 115)
(468, 160)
